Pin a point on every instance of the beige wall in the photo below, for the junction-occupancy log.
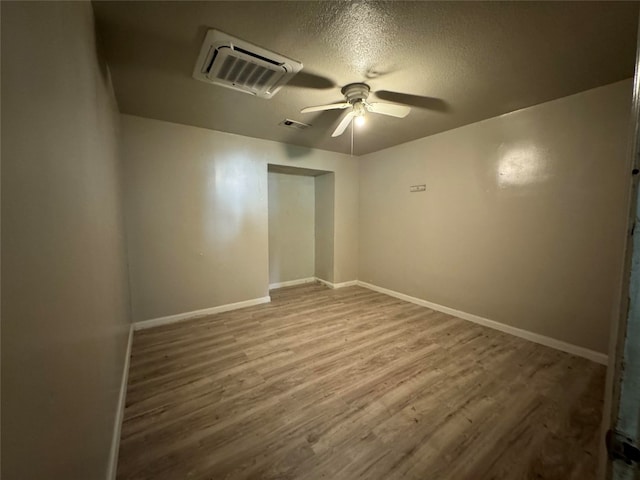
(324, 226)
(65, 305)
(291, 227)
(197, 214)
(522, 220)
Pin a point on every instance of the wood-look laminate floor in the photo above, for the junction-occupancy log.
(350, 383)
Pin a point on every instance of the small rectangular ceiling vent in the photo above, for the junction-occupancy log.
(287, 122)
(230, 62)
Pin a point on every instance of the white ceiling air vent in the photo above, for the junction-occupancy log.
(287, 122)
(230, 62)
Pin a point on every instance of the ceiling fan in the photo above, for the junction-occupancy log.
(356, 95)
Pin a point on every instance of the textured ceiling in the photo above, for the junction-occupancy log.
(480, 59)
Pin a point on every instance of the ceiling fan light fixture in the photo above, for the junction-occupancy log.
(359, 109)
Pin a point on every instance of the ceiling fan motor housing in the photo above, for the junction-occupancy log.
(355, 92)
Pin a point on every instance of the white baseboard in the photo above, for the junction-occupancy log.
(592, 355)
(291, 283)
(302, 281)
(155, 322)
(117, 427)
(350, 283)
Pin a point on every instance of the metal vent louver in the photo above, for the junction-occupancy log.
(230, 62)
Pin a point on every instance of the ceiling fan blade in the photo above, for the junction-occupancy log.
(344, 123)
(430, 103)
(391, 109)
(310, 80)
(331, 106)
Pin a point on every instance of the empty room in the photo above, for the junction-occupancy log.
(319, 240)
